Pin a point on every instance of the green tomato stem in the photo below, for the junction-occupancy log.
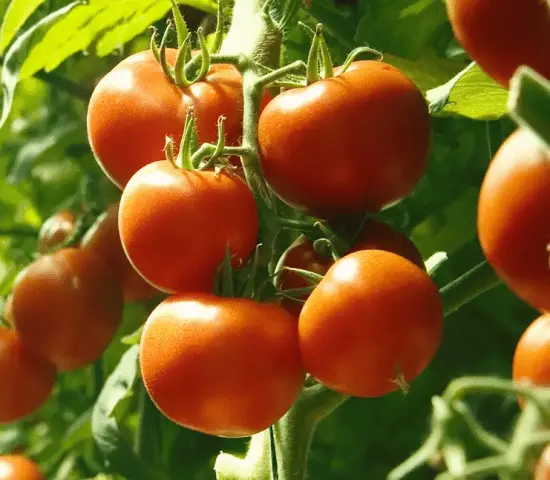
(464, 289)
(529, 102)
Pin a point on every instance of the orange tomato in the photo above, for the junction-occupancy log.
(512, 221)
(223, 366)
(67, 307)
(18, 467)
(56, 230)
(26, 379)
(374, 318)
(103, 238)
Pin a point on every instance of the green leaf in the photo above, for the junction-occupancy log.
(133, 338)
(79, 431)
(31, 152)
(16, 54)
(110, 24)
(17, 14)
(471, 93)
(105, 422)
(400, 27)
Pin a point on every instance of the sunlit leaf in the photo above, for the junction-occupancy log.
(16, 15)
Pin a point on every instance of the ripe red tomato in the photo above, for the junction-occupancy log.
(374, 317)
(375, 235)
(26, 380)
(175, 225)
(532, 356)
(501, 35)
(135, 106)
(223, 366)
(352, 143)
(55, 230)
(67, 307)
(18, 467)
(103, 238)
(542, 470)
(513, 225)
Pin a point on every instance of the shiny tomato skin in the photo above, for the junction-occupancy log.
(223, 366)
(374, 317)
(374, 235)
(56, 230)
(501, 35)
(352, 143)
(18, 467)
(532, 355)
(103, 238)
(26, 379)
(67, 307)
(542, 470)
(135, 106)
(513, 226)
(175, 225)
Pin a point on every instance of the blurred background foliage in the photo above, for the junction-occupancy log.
(46, 165)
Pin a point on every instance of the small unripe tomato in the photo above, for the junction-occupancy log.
(26, 379)
(67, 307)
(374, 319)
(18, 467)
(223, 366)
(56, 230)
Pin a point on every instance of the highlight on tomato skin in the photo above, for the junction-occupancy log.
(374, 320)
(80, 302)
(19, 467)
(531, 361)
(375, 235)
(103, 238)
(501, 35)
(371, 158)
(178, 241)
(26, 379)
(135, 106)
(512, 218)
(56, 230)
(223, 366)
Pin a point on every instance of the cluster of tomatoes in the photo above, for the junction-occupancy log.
(514, 203)
(66, 295)
(233, 366)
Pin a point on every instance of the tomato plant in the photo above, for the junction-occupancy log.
(26, 380)
(56, 230)
(18, 467)
(79, 301)
(135, 106)
(512, 217)
(244, 373)
(373, 317)
(178, 240)
(103, 238)
(502, 35)
(374, 235)
(371, 157)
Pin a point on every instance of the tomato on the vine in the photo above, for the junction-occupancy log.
(136, 106)
(501, 35)
(532, 355)
(19, 467)
(513, 225)
(67, 307)
(103, 238)
(352, 143)
(374, 319)
(26, 379)
(176, 225)
(56, 230)
(374, 235)
(223, 366)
